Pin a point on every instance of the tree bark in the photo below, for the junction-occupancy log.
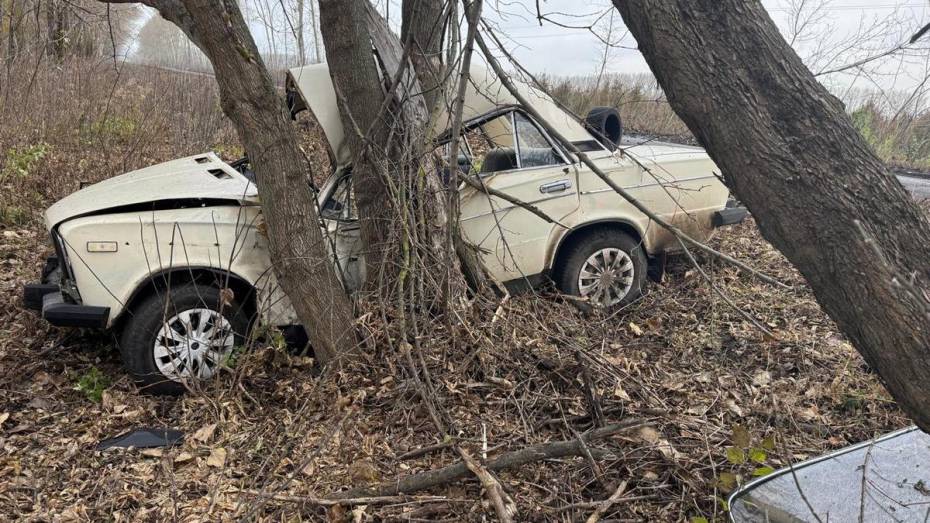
(301, 53)
(344, 25)
(248, 97)
(59, 29)
(424, 24)
(399, 195)
(791, 154)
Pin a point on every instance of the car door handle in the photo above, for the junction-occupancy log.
(559, 186)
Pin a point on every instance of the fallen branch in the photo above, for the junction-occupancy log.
(422, 451)
(580, 417)
(605, 506)
(326, 502)
(594, 504)
(503, 503)
(450, 473)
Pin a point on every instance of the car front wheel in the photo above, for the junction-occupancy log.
(181, 335)
(606, 267)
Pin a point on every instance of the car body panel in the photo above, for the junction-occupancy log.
(220, 238)
(512, 237)
(677, 183)
(884, 479)
(203, 176)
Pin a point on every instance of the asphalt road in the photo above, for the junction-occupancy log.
(919, 186)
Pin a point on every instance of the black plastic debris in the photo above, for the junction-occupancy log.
(143, 438)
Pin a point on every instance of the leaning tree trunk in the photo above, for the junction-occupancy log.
(248, 97)
(404, 218)
(817, 191)
(344, 26)
(424, 25)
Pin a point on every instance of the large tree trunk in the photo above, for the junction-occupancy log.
(344, 25)
(424, 25)
(816, 190)
(298, 249)
(404, 217)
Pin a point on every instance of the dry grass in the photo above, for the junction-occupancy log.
(680, 359)
(638, 98)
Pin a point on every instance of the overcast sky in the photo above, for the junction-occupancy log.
(570, 51)
(879, 24)
(827, 34)
(833, 33)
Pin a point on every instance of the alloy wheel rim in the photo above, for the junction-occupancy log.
(606, 277)
(192, 344)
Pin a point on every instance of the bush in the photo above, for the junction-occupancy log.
(118, 128)
(20, 161)
(11, 215)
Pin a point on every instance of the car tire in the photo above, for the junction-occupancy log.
(623, 254)
(181, 335)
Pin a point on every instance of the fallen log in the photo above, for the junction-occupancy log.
(454, 472)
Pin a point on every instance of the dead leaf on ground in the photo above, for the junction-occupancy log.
(205, 433)
(619, 392)
(652, 437)
(364, 470)
(40, 403)
(762, 378)
(734, 408)
(217, 458)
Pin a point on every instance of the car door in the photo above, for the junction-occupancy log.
(341, 223)
(511, 154)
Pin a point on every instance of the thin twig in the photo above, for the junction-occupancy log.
(722, 294)
(605, 506)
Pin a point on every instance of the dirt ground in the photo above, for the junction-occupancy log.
(711, 401)
(701, 378)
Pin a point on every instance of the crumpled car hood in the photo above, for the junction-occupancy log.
(203, 176)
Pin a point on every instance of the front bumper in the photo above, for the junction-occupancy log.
(47, 298)
(58, 312)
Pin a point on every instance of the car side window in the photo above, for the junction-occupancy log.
(491, 145)
(341, 202)
(533, 148)
(507, 142)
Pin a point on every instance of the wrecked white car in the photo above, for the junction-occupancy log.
(189, 228)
